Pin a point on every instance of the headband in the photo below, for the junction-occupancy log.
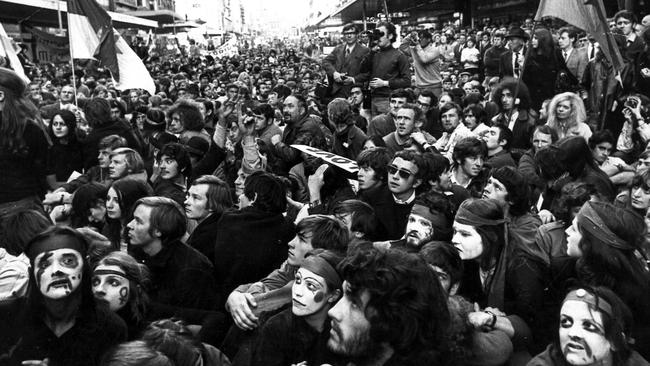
(589, 220)
(98, 271)
(51, 243)
(323, 268)
(466, 217)
(599, 303)
(434, 216)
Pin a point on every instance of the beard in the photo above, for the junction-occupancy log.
(360, 349)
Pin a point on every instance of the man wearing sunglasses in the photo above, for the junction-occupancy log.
(344, 63)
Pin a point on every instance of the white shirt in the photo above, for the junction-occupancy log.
(408, 200)
(517, 56)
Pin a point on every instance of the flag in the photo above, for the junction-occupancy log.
(7, 50)
(588, 15)
(92, 36)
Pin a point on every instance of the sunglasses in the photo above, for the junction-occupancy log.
(403, 173)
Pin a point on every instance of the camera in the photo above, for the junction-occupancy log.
(374, 37)
(631, 102)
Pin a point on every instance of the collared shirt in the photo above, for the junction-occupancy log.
(349, 49)
(447, 141)
(567, 53)
(408, 200)
(517, 56)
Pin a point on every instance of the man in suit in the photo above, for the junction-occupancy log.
(344, 63)
(512, 61)
(576, 59)
(625, 22)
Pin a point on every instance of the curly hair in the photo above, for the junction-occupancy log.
(578, 113)
(513, 85)
(407, 307)
(438, 203)
(573, 194)
(378, 159)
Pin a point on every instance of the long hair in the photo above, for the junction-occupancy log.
(513, 85)
(492, 236)
(578, 113)
(18, 109)
(70, 121)
(546, 45)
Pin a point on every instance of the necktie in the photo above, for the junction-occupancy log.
(565, 55)
(347, 52)
(592, 54)
(516, 66)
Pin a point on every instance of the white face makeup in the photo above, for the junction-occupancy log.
(58, 272)
(418, 228)
(308, 293)
(582, 335)
(111, 286)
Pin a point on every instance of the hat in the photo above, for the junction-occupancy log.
(464, 73)
(197, 146)
(509, 177)
(161, 139)
(518, 33)
(56, 238)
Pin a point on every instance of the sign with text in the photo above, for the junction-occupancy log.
(330, 158)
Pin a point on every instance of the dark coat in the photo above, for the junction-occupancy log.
(250, 244)
(351, 66)
(392, 216)
(204, 236)
(287, 155)
(350, 143)
(91, 142)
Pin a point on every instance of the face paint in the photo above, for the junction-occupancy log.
(58, 272)
(308, 291)
(582, 335)
(111, 286)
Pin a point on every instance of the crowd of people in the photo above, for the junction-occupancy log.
(469, 197)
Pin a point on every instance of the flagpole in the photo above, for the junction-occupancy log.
(74, 77)
(529, 45)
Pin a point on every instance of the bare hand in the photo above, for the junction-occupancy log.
(546, 216)
(276, 139)
(316, 181)
(378, 83)
(644, 130)
(479, 319)
(43, 362)
(337, 76)
(239, 304)
(419, 138)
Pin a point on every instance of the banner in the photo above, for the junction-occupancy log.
(50, 47)
(330, 158)
(228, 49)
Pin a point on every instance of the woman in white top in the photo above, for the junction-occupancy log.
(566, 115)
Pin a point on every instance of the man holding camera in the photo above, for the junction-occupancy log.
(426, 61)
(344, 63)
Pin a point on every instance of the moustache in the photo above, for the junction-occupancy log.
(60, 282)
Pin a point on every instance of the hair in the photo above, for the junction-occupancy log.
(17, 111)
(400, 93)
(98, 112)
(436, 165)
(20, 227)
(492, 236)
(571, 32)
(425, 34)
(177, 152)
(438, 202)
(167, 217)
(518, 191)
(446, 256)
(514, 85)
(334, 259)
(390, 29)
(266, 110)
(351, 27)
(576, 156)
(173, 338)
(134, 162)
(128, 192)
(546, 44)
(627, 15)
(429, 94)
(467, 147)
(505, 134)
(418, 115)
(378, 159)
(414, 325)
(70, 121)
(617, 326)
(340, 111)
(363, 218)
(417, 159)
(578, 113)
(112, 142)
(218, 194)
(598, 137)
(573, 194)
(547, 130)
(327, 232)
(614, 267)
(88, 196)
(138, 276)
(135, 353)
(267, 190)
(478, 111)
(449, 106)
(189, 113)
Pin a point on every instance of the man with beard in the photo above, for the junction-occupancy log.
(454, 131)
(299, 122)
(62, 325)
(430, 219)
(384, 124)
(374, 324)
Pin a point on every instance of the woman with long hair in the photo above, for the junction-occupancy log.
(566, 114)
(65, 154)
(542, 67)
(120, 198)
(23, 147)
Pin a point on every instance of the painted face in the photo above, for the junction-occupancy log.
(494, 189)
(298, 248)
(176, 125)
(292, 110)
(472, 165)
(541, 140)
(601, 151)
(113, 209)
(401, 176)
(563, 109)
(168, 168)
(111, 286)
(405, 122)
(309, 292)
(139, 226)
(58, 272)
(467, 240)
(641, 197)
(118, 168)
(573, 238)
(582, 335)
(350, 331)
(196, 203)
(367, 178)
(418, 229)
(450, 120)
(59, 128)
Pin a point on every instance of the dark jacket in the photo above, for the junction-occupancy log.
(500, 159)
(553, 357)
(169, 189)
(91, 142)
(392, 216)
(388, 64)
(351, 66)
(180, 277)
(94, 174)
(491, 60)
(63, 159)
(288, 156)
(349, 143)
(250, 244)
(204, 236)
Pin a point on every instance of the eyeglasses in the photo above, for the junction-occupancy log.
(403, 173)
